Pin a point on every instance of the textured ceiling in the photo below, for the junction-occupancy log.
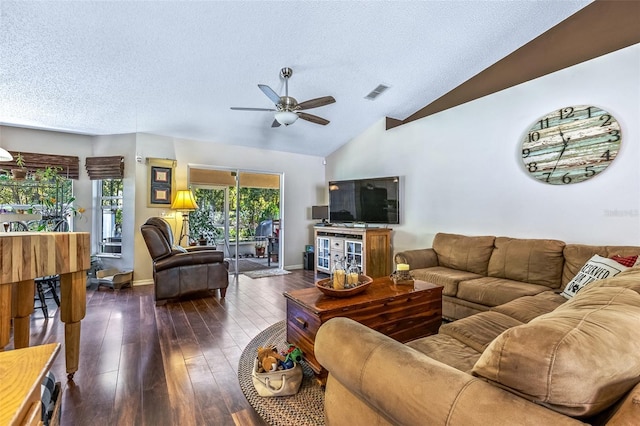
(175, 68)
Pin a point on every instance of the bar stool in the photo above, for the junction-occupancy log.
(51, 282)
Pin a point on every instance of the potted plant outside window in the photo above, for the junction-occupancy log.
(21, 172)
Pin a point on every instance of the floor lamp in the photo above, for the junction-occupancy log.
(184, 202)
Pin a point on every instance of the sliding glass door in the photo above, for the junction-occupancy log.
(238, 212)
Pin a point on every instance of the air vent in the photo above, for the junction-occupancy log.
(376, 92)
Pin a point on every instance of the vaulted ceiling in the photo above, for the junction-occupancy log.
(175, 68)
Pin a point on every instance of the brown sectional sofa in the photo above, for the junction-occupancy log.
(536, 359)
(480, 272)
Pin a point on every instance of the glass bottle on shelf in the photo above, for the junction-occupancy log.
(353, 273)
(338, 274)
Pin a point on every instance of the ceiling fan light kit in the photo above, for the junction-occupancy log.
(287, 108)
(286, 117)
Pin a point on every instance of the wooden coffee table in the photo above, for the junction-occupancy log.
(402, 312)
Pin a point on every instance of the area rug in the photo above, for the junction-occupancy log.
(245, 265)
(304, 408)
(266, 273)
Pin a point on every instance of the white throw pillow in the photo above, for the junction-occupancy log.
(179, 248)
(597, 268)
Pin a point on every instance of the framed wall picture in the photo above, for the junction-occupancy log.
(161, 182)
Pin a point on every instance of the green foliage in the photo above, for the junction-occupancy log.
(256, 205)
(49, 174)
(20, 161)
(202, 222)
(39, 195)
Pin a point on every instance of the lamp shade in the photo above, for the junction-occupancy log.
(286, 117)
(184, 200)
(4, 155)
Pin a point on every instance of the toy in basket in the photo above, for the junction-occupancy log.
(270, 374)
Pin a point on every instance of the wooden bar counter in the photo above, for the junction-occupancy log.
(25, 256)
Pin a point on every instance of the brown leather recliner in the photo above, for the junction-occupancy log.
(178, 273)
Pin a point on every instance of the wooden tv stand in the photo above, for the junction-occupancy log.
(371, 247)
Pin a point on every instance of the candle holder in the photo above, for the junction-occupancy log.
(401, 275)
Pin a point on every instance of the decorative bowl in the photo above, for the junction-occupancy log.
(325, 287)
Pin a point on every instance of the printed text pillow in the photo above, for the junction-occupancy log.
(597, 268)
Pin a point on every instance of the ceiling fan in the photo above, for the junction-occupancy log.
(287, 109)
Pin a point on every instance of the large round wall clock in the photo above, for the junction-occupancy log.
(571, 144)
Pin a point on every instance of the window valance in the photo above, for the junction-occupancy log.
(105, 167)
(69, 165)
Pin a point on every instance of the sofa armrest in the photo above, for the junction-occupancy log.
(418, 259)
(407, 387)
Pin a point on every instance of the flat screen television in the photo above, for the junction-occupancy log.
(374, 200)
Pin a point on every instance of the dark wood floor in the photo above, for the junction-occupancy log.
(169, 365)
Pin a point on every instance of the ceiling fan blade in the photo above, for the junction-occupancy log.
(315, 103)
(271, 94)
(252, 109)
(313, 118)
(275, 123)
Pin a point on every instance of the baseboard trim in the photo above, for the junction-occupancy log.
(143, 282)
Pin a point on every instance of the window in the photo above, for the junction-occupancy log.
(48, 195)
(111, 219)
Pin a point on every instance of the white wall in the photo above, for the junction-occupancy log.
(463, 173)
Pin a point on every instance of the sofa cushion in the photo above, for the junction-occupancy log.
(479, 330)
(596, 268)
(534, 261)
(463, 252)
(454, 308)
(446, 277)
(448, 350)
(629, 278)
(491, 291)
(585, 355)
(526, 308)
(576, 255)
